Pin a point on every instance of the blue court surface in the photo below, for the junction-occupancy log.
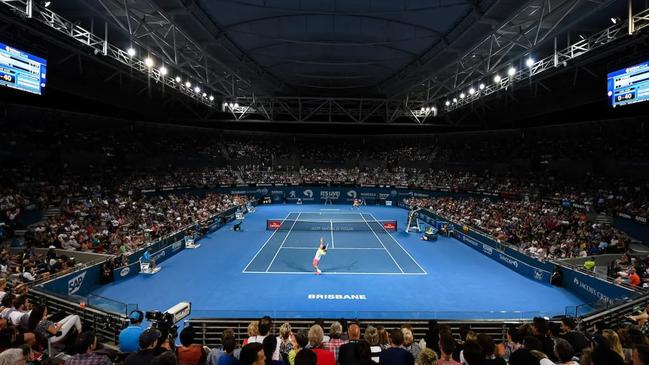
(367, 272)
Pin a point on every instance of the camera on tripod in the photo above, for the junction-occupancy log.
(166, 322)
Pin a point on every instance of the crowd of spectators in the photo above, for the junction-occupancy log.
(541, 230)
(538, 342)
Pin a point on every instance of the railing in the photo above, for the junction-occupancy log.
(105, 324)
(613, 316)
(209, 332)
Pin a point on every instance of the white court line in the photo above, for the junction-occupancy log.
(404, 250)
(335, 210)
(331, 222)
(385, 248)
(332, 273)
(329, 249)
(264, 245)
(282, 244)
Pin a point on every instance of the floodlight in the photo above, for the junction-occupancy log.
(188, 84)
(130, 51)
(471, 91)
(148, 62)
(462, 95)
(163, 71)
(497, 78)
(482, 86)
(447, 103)
(511, 71)
(529, 62)
(178, 79)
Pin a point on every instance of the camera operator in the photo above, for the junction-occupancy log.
(129, 337)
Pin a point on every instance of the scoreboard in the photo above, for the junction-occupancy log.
(629, 85)
(21, 70)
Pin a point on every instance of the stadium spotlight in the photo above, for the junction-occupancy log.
(471, 91)
(163, 70)
(188, 84)
(497, 78)
(236, 105)
(427, 109)
(211, 98)
(447, 103)
(511, 71)
(148, 62)
(482, 86)
(47, 4)
(130, 51)
(423, 109)
(197, 89)
(178, 79)
(462, 95)
(529, 62)
(455, 100)
(204, 95)
(615, 20)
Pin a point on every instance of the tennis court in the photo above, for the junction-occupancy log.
(357, 243)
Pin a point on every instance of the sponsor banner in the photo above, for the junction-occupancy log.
(79, 283)
(390, 226)
(126, 272)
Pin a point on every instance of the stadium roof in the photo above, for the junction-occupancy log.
(364, 60)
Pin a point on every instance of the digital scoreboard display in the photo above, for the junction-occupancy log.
(629, 85)
(21, 70)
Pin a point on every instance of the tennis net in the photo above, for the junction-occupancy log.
(331, 225)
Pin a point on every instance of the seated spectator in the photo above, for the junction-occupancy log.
(325, 357)
(252, 354)
(603, 354)
(334, 343)
(363, 353)
(447, 348)
(270, 344)
(396, 354)
(347, 352)
(299, 341)
(641, 355)
(564, 352)
(409, 342)
(253, 331)
(228, 358)
(86, 345)
(190, 353)
(214, 356)
(40, 324)
(147, 342)
(284, 340)
(576, 339)
(306, 357)
(427, 357)
(372, 338)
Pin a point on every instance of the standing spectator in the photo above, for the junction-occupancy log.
(363, 353)
(325, 357)
(253, 331)
(488, 348)
(334, 343)
(396, 354)
(347, 353)
(432, 335)
(614, 341)
(86, 345)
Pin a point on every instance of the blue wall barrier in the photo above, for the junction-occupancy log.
(591, 289)
(635, 226)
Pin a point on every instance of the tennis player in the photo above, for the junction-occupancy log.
(322, 250)
(356, 204)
